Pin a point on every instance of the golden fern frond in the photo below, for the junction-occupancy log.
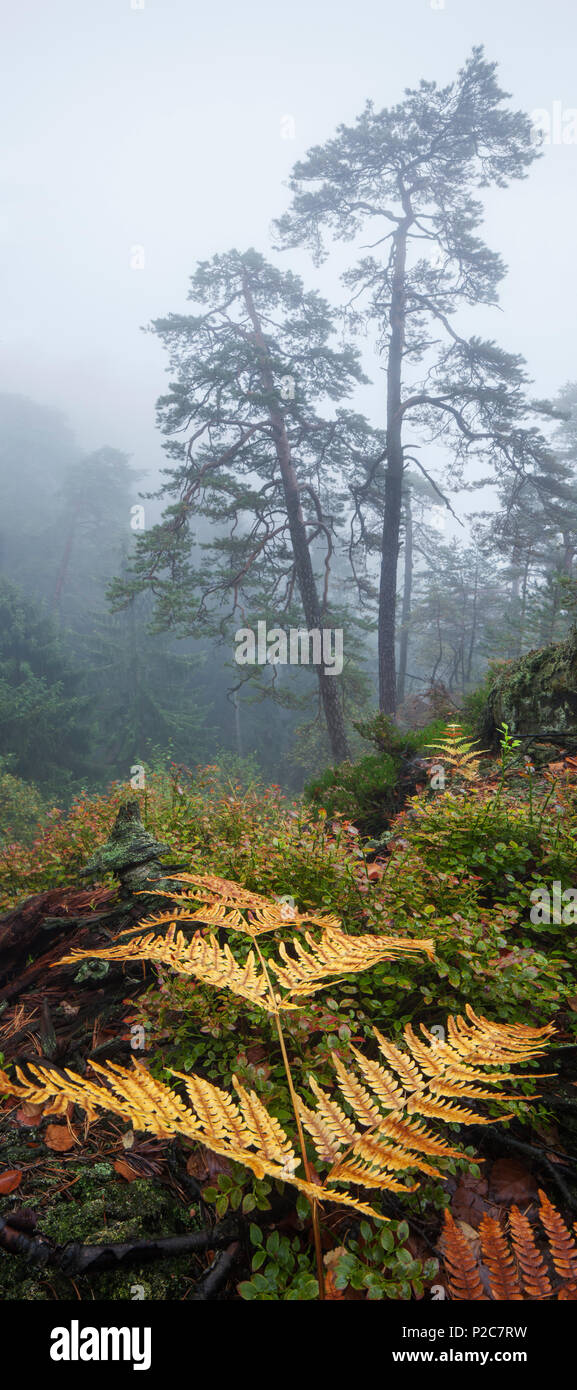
(499, 1260)
(356, 1170)
(374, 1141)
(385, 1086)
(328, 1124)
(322, 1134)
(389, 1114)
(359, 1099)
(267, 1134)
(561, 1242)
(444, 1063)
(134, 1094)
(495, 1043)
(405, 1066)
(217, 1112)
(337, 953)
(532, 1266)
(382, 1156)
(459, 752)
(201, 957)
(462, 1271)
(452, 1114)
(266, 916)
(414, 1136)
(243, 1133)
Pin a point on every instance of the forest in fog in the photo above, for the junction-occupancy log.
(288, 674)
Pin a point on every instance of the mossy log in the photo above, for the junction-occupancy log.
(536, 696)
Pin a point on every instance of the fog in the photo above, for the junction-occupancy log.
(142, 138)
(160, 126)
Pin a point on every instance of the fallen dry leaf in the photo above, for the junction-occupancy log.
(60, 1138)
(470, 1199)
(125, 1170)
(10, 1179)
(196, 1167)
(512, 1182)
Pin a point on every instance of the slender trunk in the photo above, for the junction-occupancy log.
(237, 725)
(521, 637)
(568, 554)
(471, 652)
(328, 687)
(407, 594)
(393, 481)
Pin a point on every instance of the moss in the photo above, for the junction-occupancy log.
(535, 696)
(93, 1205)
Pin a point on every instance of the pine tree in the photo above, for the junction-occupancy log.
(254, 459)
(407, 178)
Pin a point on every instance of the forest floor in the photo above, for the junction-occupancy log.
(68, 1188)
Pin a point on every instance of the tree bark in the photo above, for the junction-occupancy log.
(393, 480)
(328, 688)
(407, 594)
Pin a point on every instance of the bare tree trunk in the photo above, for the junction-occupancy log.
(521, 637)
(393, 481)
(328, 687)
(471, 653)
(407, 594)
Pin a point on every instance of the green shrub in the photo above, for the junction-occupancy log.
(370, 791)
(22, 809)
(363, 792)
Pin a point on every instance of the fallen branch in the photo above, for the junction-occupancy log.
(74, 1258)
(217, 1275)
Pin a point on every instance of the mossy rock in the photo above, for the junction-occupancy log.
(536, 696)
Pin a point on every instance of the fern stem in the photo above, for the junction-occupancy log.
(301, 1137)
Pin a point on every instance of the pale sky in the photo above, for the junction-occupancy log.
(160, 126)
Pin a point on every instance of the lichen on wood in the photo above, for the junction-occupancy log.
(130, 853)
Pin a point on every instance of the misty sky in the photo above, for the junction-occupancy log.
(161, 127)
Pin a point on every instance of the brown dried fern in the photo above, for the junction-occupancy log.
(517, 1269)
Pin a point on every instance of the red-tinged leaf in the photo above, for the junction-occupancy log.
(10, 1179)
(29, 1115)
